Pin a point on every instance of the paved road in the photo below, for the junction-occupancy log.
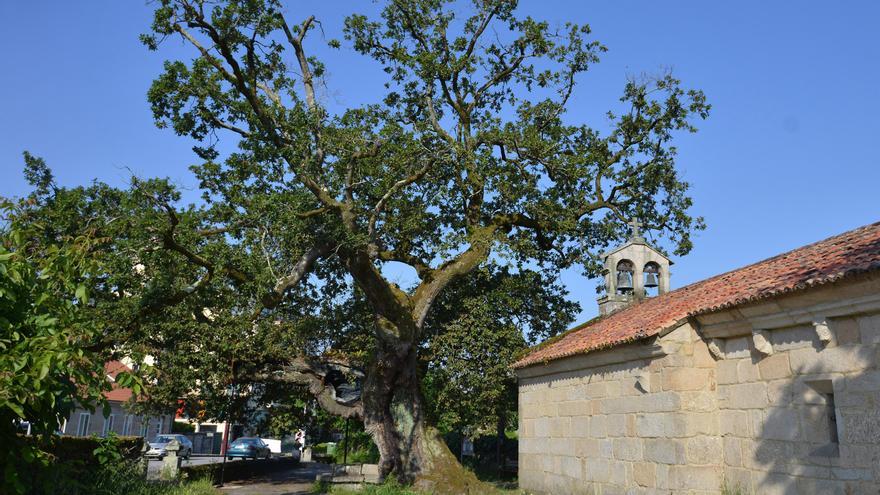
(296, 480)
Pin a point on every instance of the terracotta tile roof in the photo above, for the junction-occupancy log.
(117, 393)
(850, 253)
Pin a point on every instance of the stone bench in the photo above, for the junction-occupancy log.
(351, 475)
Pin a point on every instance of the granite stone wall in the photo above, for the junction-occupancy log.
(804, 419)
(675, 418)
(641, 426)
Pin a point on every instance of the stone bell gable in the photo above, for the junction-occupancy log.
(632, 272)
(764, 378)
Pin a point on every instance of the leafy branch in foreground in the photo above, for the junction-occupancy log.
(46, 367)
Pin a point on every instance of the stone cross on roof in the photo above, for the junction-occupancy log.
(636, 229)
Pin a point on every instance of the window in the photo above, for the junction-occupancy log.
(159, 428)
(108, 425)
(823, 416)
(832, 418)
(126, 424)
(82, 429)
(145, 426)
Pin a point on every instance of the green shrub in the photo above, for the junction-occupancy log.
(104, 466)
(45, 333)
(363, 455)
(83, 449)
(138, 486)
(181, 427)
(361, 449)
(320, 487)
(198, 487)
(68, 460)
(390, 487)
(126, 478)
(326, 448)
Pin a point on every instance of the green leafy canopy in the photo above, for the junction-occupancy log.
(470, 159)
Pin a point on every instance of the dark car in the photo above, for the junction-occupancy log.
(157, 446)
(249, 447)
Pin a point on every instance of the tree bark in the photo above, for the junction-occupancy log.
(394, 415)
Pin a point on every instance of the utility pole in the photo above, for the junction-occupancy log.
(224, 447)
(345, 450)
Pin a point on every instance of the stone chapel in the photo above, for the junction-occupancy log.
(762, 380)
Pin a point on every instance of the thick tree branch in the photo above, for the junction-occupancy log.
(480, 247)
(435, 122)
(225, 229)
(312, 373)
(312, 213)
(300, 269)
(392, 305)
(302, 59)
(477, 33)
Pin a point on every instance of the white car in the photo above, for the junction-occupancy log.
(157, 446)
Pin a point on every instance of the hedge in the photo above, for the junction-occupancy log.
(79, 449)
(69, 449)
(71, 460)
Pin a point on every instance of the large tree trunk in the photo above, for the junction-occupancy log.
(394, 414)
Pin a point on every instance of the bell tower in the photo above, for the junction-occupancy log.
(633, 272)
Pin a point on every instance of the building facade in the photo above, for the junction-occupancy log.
(763, 380)
(84, 423)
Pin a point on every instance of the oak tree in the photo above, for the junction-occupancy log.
(472, 157)
(468, 155)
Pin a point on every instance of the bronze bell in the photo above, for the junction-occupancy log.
(651, 280)
(624, 281)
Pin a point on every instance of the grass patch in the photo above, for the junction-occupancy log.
(389, 487)
(198, 487)
(127, 478)
(737, 489)
(320, 487)
(392, 487)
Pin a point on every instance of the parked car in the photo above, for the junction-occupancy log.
(249, 447)
(157, 446)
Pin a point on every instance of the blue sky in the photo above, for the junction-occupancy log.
(786, 158)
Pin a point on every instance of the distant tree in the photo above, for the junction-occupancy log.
(468, 160)
(477, 329)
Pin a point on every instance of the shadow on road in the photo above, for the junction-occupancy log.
(287, 480)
